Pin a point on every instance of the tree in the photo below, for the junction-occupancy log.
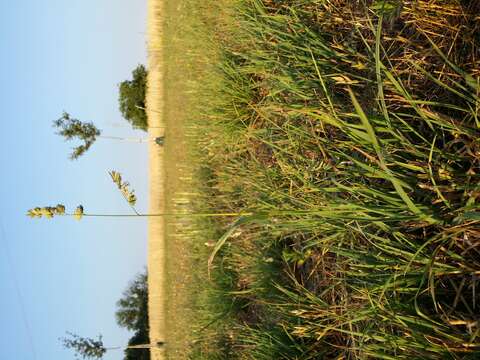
(71, 128)
(132, 352)
(132, 98)
(132, 313)
(87, 348)
(132, 308)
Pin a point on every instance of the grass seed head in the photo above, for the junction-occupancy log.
(47, 211)
(78, 213)
(124, 187)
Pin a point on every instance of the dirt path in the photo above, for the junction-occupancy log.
(156, 241)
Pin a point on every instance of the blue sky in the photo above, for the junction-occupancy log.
(65, 275)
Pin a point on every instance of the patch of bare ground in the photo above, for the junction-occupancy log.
(156, 241)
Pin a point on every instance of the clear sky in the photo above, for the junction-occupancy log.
(66, 275)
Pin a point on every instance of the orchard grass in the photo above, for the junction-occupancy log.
(349, 132)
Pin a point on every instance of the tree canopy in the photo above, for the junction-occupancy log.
(84, 347)
(132, 307)
(71, 128)
(132, 98)
(132, 314)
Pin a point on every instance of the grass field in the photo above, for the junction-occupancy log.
(187, 55)
(347, 134)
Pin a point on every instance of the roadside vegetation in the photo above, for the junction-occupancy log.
(350, 130)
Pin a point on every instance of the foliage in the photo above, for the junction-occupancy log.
(71, 128)
(84, 347)
(132, 311)
(359, 119)
(132, 98)
(139, 337)
(132, 314)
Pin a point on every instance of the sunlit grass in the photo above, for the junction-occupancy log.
(349, 130)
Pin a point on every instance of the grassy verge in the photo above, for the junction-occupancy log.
(349, 131)
(189, 55)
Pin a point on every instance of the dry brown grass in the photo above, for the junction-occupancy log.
(156, 241)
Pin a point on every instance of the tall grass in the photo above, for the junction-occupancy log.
(357, 122)
(188, 53)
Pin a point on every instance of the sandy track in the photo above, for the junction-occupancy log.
(156, 241)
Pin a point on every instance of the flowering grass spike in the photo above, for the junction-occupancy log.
(128, 194)
(51, 211)
(78, 214)
(47, 211)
